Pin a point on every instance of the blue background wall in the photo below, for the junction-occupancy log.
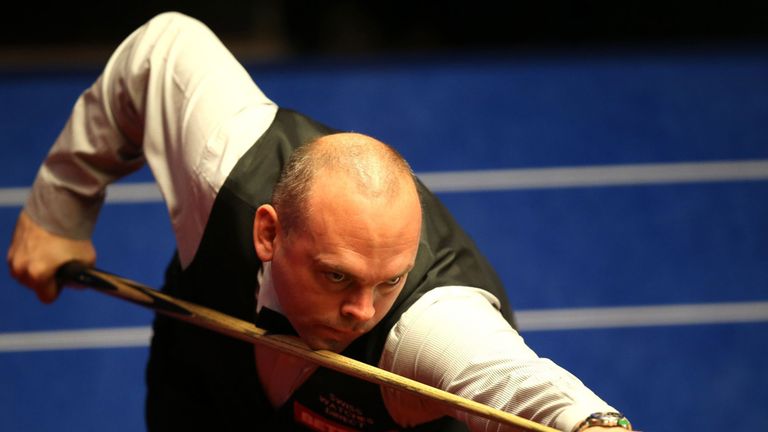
(555, 248)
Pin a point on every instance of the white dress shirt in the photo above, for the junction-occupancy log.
(173, 96)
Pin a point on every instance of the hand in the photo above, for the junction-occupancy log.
(35, 254)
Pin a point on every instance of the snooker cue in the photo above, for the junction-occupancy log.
(78, 274)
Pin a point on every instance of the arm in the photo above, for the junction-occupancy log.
(171, 94)
(454, 338)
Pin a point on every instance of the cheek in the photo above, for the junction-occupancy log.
(285, 280)
(287, 287)
(297, 292)
(383, 303)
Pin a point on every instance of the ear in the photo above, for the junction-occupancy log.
(265, 232)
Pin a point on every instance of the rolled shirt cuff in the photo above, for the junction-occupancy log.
(61, 210)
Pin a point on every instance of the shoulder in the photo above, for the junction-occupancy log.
(447, 300)
(451, 320)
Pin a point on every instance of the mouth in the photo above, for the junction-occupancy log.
(341, 331)
(331, 338)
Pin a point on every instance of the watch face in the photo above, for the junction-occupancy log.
(607, 419)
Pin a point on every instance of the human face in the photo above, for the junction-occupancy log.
(338, 276)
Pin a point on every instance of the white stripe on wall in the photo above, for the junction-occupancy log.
(594, 176)
(509, 179)
(529, 321)
(642, 316)
(13, 197)
(118, 337)
(133, 193)
(124, 193)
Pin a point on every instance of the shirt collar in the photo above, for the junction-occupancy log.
(266, 295)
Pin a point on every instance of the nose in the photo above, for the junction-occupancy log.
(358, 305)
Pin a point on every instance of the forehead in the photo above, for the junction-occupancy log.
(345, 224)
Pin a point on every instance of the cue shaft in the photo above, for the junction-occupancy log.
(79, 274)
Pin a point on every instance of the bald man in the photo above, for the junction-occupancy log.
(341, 236)
(306, 231)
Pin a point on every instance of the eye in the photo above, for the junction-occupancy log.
(335, 277)
(394, 281)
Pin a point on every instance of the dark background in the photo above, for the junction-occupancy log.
(301, 27)
(592, 102)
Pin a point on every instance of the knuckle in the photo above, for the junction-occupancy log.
(17, 269)
(39, 272)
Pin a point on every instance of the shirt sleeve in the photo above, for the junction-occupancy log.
(172, 96)
(455, 339)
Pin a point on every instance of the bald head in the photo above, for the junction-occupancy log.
(342, 234)
(355, 163)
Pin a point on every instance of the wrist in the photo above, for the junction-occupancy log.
(604, 420)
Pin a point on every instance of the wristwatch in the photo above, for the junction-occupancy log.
(604, 419)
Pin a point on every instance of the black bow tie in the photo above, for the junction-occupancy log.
(274, 322)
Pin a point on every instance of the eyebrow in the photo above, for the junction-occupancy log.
(341, 269)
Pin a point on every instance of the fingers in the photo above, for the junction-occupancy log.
(42, 283)
(36, 275)
(48, 292)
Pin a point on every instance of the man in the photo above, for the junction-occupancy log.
(304, 229)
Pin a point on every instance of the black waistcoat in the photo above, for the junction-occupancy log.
(223, 276)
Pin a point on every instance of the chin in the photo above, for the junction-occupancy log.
(327, 344)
